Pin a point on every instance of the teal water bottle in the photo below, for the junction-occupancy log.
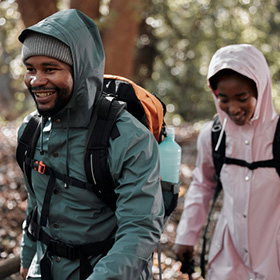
(170, 157)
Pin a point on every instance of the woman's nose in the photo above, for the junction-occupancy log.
(234, 108)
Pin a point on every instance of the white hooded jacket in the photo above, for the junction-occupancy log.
(246, 242)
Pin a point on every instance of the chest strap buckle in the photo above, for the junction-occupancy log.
(40, 167)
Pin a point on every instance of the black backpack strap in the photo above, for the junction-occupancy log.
(276, 147)
(26, 145)
(218, 155)
(35, 232)
(270, 163)
(104, 117)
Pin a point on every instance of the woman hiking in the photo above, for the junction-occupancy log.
(246, 242)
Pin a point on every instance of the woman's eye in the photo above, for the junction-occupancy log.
(223, 100)
(243, 100)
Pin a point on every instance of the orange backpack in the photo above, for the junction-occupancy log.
(150, 111)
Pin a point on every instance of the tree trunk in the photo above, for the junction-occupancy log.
(120, 37)
(88, 7)
(9, 266)
(33, 11)
(144, 55)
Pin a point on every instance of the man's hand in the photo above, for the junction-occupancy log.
(23, 272)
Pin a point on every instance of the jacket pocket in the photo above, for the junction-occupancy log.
(217, 241)
(34, 271)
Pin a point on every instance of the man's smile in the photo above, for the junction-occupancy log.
(43, 94)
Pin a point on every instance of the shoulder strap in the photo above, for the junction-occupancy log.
(26, 145)
(219, 153)
(219, 157)
(102, 126)
(218, 161)
(276, 147)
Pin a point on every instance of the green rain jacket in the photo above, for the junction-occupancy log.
(78, 216)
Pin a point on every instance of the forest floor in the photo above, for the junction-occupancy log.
(13, 201)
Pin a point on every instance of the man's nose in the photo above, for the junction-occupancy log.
(38, 79)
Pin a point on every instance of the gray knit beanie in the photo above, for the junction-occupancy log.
(40, 44)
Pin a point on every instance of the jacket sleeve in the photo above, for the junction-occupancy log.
(28, 248)
(139, 205)
(200, 193)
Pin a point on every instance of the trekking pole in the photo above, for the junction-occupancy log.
(203, 251)
(187, 266)
(159, 260)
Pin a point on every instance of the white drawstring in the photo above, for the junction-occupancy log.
(221, 134)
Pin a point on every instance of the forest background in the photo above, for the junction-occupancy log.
(163, 45)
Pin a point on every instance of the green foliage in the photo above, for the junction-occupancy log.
(188, 32)
(13, 98)
(182, 36)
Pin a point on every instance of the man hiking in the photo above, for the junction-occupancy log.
(71, 233)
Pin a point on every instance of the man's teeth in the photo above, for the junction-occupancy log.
(44, 94)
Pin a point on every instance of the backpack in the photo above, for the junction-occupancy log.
(219, 158)
(118, 94)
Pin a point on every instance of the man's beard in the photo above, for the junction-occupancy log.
(62, 98)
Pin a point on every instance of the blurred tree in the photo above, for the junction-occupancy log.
(114, 18)
(119, 50)
(145, 52)
(119, 37)
(89, 7)
(165, 45)
(9, 70)
(188, 32)
(33, 11)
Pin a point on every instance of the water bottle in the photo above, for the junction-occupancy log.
(170, 157)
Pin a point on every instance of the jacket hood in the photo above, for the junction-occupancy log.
(81, 34)
(250, 62)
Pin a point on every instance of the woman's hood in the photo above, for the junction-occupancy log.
(250, 62)
(81, 34)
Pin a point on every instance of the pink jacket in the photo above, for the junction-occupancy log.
(246, 242)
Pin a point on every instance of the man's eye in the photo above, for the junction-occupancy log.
(29, 69)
